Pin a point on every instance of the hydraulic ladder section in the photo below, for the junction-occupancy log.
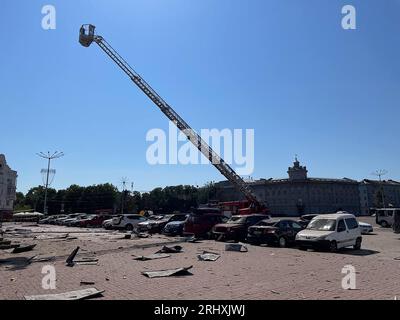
(87, 36)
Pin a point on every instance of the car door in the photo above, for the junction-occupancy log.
(296, 228)
(354, 230)
(285, 229)
(342, 234)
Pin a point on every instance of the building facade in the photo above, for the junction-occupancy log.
(8, 182)
(299, 194)
(376, 194)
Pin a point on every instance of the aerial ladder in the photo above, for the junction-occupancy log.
(87, 36)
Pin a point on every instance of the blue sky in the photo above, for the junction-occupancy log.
(283, 67)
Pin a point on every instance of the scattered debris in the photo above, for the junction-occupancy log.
(86, 283)
(152, 257)
(168, 273)
(70, 259)
(174, 249)
(16, 263)
(87, 263)
(9, 246)
(71, 295)
(275, 292)
(239, 247)
(86, 260)
(208, 256)
(192, 240)
(127, 236)
(45, 237)
(43, 259)
(5, 242)
(20, 249)
(144, 235)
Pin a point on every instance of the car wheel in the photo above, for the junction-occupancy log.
(384, 224)
(333, 246)
(357, 246)
(129, 227)
(282, 242)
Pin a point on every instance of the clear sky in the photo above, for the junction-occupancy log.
(283, 67)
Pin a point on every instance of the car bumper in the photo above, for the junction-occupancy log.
(225, 235)
(366, 230)
(315, 244)
(263, 238)
(172, 232)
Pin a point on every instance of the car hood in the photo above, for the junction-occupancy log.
(229, 225)
(364, 224)
(314, 233)
(176, 223)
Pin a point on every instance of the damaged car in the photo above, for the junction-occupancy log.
(236, 227)
(281, 232)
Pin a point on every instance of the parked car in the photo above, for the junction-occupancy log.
(274, 231)
(156, 226)
(108, 224)
(385, 217)
(236, 227)
(127, 221)
(331, 231)
(200, 225)
(49, 219)
(365, 228)
(75, 217)
(145, 225)
(174, 228)
(305, 219)
(59, 219)
(93, 220)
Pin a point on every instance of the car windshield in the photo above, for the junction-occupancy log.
(322, 225)
(236, 219)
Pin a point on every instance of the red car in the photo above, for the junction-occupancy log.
(93, 221)
(200, 223)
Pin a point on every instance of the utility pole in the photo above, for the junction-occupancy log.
(380, 173)
(123, 181)
(48, 157)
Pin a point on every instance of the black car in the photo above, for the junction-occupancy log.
(280, 232)
(305, 219)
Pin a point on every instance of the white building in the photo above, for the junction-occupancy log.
(8, 182)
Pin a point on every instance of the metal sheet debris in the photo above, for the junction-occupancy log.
(87, 263)
(9, 246)
(70, 259)
(238, 247)
(168, 273)
(86, 260)
(208, 256)
(71, 295)
(174, 249)
(152, 257)
(20, 249)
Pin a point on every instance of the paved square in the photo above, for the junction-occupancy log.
(260, 273)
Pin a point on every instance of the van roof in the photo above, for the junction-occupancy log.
(335, 216)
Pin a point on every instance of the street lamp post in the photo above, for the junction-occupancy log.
(380, 173)
(48, 157)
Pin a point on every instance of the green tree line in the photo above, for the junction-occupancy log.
(106, 196)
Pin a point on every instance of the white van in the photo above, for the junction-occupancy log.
(331, 231)
(385, 217)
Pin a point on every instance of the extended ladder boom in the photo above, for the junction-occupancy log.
(87, 36)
